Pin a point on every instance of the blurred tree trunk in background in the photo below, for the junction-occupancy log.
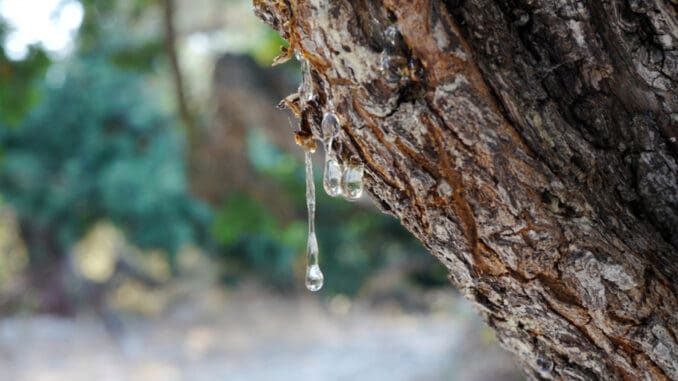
(531, 146)
(244, 96)
(47, 275)
(187, 117)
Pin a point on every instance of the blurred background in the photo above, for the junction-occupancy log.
(152, 215)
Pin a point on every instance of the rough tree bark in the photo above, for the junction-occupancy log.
(531, 146)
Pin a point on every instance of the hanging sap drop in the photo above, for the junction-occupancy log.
(305, 89)
(332, 171)
(314, 277)
(352, 182)
(329, 126)
(332, 176)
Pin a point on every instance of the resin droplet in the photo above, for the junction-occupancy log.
(306, 86)
(521, 17)
(329, 126)
(332, 176)
(352, 182)
(392, 38)
(544, 366)
(392, 67)
(314, 277)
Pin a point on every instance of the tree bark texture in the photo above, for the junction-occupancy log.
(531, 146)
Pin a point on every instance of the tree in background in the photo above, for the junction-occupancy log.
(94, 149)
(91, 143)
(531, 146)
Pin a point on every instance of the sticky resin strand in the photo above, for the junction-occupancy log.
(314, 277)
(332, 171)
(352, 181)
(306, 86)
(332, 175)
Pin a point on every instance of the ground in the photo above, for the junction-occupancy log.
(251, 334)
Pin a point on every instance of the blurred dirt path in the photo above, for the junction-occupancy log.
(253, 335)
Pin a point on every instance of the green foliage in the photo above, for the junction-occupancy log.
(20, 89)
(268, 47)
(241, 215)
(94, 149)
(119, 30)
(140, 57)
(270, 161)
(251, 237)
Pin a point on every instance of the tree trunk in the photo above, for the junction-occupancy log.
(531, 146)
